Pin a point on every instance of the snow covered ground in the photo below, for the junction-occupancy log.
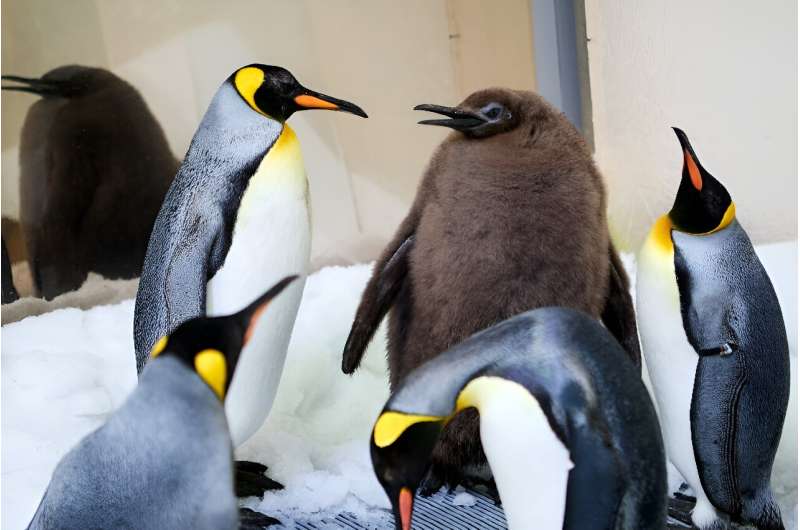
(64, 371)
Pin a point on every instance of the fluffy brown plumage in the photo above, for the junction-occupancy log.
(510, 215)
(94, 168)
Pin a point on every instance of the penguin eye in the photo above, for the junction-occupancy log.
(494, 111)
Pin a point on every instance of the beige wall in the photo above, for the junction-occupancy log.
(724, 71)
(385, 55)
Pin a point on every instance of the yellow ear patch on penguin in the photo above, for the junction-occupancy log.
(247, 80)
(392, 424)
(210, 365)
(158, 347)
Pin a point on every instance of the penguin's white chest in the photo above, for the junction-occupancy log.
(671, 360)
(271, 240)
(529, 463)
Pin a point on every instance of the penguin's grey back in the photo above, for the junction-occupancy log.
(162, 461)
(739, 400)
(193, 230)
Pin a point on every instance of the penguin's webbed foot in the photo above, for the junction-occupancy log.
(486, 487)
(253, 520)
(438, 476)
(680, 509)
(250, 480)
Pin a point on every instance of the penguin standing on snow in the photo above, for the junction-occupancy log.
(236, 219)
(94, 168)
(510, 215)
(569, 430)
(164, 459)
(715, 343)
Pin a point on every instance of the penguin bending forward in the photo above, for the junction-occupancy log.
(715, 343)
(569, 430)
(163, 460)
(510, 215)
(236, 219)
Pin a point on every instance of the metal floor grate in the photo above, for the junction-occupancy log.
(438, 512)
(433, 513)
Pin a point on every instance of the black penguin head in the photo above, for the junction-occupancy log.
(274, 92)
(484, 113)
(702, 204)
(401, 447)
(69, 81)
(211, 345)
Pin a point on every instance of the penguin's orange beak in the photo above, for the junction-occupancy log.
(405, 504)
(308, 99)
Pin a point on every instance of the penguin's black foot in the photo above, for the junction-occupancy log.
(486, 487)
(681, 493)
(439, 476)
(680, 509)
(250, 480)
(253, 520)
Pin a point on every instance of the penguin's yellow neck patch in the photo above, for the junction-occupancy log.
(158, 347)
(730, 215)
(211, 367)
(661, 234)
(485, 387)
(247, 81)
(391, 425)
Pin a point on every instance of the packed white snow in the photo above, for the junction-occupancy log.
(63, 372)
(463, 497)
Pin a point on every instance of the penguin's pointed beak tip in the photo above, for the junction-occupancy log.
(682, 138)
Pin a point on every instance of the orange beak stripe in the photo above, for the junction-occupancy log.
(406, 503)
(313, 102)
(694, 172)
(251, 326)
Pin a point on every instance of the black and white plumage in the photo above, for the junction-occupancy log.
(164, 459)
(717, 353)
(569, 431)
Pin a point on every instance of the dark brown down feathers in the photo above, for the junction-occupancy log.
(500, 225)
(94, 168)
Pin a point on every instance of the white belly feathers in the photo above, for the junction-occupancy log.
(271, 240)
(671, 360)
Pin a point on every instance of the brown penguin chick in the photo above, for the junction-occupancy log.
(94, 168)
(510, 216)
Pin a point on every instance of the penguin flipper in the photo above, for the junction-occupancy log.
(618, 314)
(175, 275)
(379, 295)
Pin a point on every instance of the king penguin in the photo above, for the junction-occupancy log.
(163, 460)
(569, 430)
(94, 168)
(715, 344)
(510, 215)
(236, 219)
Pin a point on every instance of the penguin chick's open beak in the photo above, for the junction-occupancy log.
(33, 85)
(308, 99)
(460, 120)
